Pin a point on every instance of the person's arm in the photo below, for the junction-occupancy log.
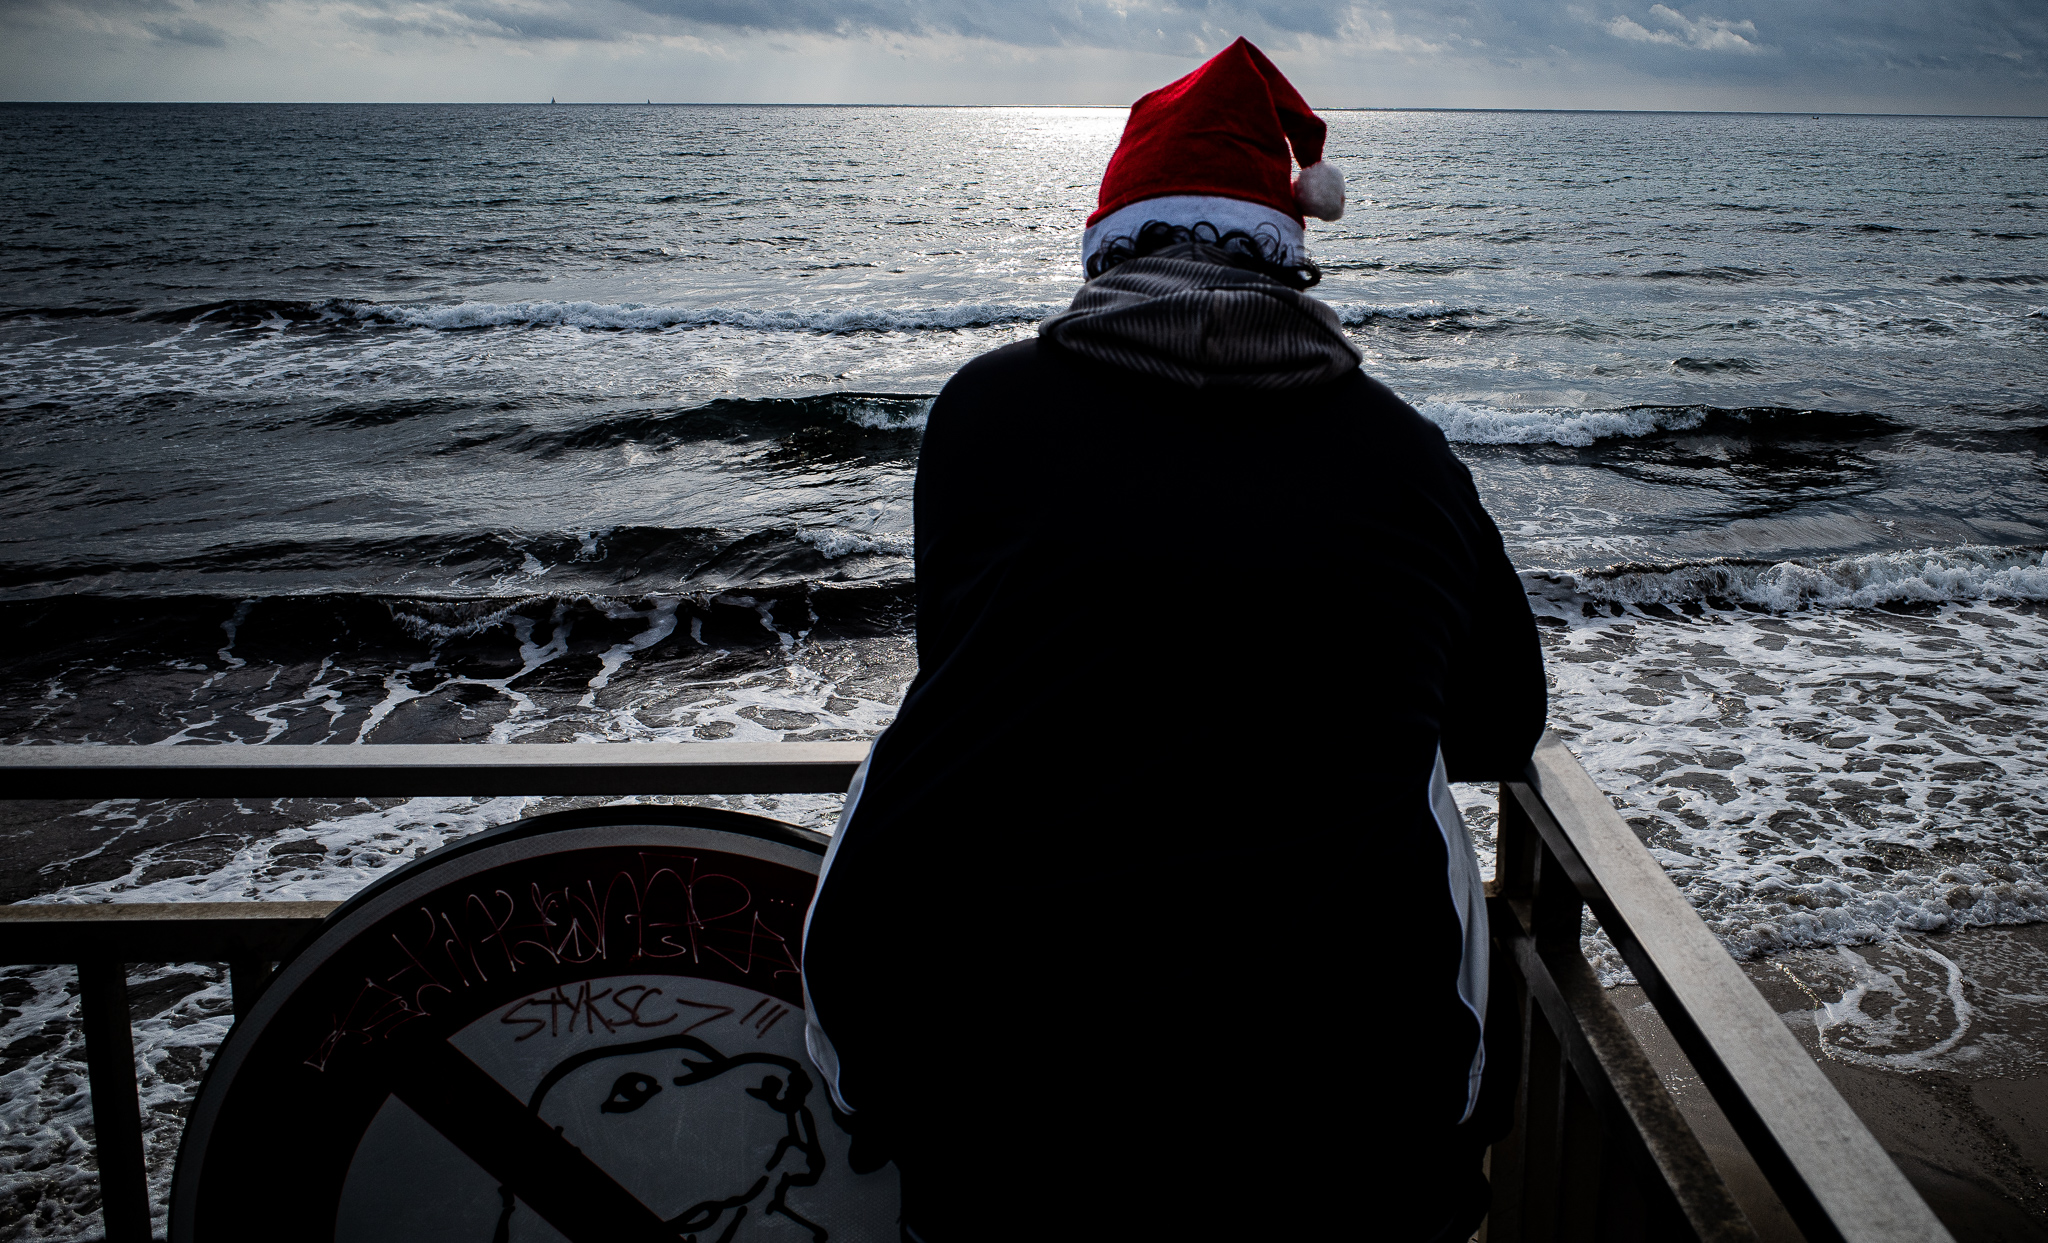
(1495, 704)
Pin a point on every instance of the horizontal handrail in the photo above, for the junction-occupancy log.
(1823, 1162)
(101, 939)
(230, 932)
(393, 770)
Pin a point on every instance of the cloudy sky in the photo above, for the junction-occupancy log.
(1956, 56)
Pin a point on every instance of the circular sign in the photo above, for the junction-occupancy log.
(586, 1026)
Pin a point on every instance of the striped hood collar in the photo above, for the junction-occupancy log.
(1186, 315)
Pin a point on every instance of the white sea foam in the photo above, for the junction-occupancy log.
(1359, 314)
(1902, 1004)
(1870, 580)
(631, 316)
(1465, 423)
(836, 543)
(1818, 779)
(883, 414)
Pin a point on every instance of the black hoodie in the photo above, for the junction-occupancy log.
(1187, 655)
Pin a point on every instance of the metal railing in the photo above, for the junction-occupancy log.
(1598, 1149)
(101, 941)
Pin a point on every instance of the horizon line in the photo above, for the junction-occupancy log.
(627, 103)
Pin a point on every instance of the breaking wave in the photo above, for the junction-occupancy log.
(495, 565)
(1871, 580)
(1466, 423)
(596, 316)
(835, 543)
(288, 628)
(1361, 314)
(822, 424)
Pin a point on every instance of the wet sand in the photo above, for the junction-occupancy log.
(1940, 1044)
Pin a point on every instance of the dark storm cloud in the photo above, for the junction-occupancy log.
(1956, 55)
(188, 31)
(1044, 23)
(485, 20)
(1722, 40)
(1881, 31)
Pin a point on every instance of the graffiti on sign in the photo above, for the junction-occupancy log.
(583, 1034)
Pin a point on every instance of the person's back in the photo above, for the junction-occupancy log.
(1118, 939)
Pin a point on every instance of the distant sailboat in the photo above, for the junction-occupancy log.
(551, 99)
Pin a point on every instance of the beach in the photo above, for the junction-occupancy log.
(515, 425)
(1946, 1061)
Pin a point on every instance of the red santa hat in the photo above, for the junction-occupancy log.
(1214, 147)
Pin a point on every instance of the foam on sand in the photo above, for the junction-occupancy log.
(1821, 778)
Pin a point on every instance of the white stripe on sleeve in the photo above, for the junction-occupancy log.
(1468, 895)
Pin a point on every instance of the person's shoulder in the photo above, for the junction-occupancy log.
(987, 400)
(1404, 440)
(1390, 410)
(1380, 413)
(1018, 362)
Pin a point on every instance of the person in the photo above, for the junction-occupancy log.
(1151, 916)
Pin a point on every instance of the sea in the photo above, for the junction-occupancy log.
(380, 424)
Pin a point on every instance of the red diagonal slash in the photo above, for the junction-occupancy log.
(496, 1130)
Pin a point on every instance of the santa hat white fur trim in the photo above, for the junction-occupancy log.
(1319, 191)
(1188, 210)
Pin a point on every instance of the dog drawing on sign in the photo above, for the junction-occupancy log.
(708, 1141)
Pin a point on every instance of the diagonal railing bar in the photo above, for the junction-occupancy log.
(1620, 1078)
(1831, 1173)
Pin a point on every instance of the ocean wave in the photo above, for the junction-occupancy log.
(1715, 366)
(2021, 278)
(286, 627)
(628, 317)
(1469, 423)
(489, 565)
(835, 543)
(639, 317)
(257, 312)
(593, 316)
(1486, 425)
(820, 425)
(65, 312)
(1870, 580)
(1359, 314)
(1726, 275)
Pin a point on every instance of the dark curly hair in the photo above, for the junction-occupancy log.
(1260, 252)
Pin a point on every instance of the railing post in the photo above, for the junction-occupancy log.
(1521, 1172)
(116, 1110)
(1514, 850)
(1557, 915)
(1507, 1161)
(1539, 1121)
(246, 979)
(1580, 1147)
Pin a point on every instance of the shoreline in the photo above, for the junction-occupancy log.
(1948, 1068)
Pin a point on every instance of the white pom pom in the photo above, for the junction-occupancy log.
(1319, 191)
